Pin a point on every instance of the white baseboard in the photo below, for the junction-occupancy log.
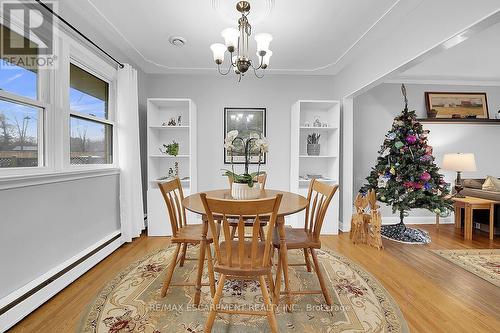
(25, 307)
(346, 227)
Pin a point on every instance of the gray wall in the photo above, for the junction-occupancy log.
(375, 110)
(212, 93)
(44, 225)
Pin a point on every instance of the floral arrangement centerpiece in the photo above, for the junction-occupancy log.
(243, 184)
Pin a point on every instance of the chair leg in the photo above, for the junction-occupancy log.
(218, 294)
(269, 307)
(210, 264)
(306, 257)
(288, 295)
(277, 285)
(170, 271)
(183, 254)
(262, 234)
(201, 263)
(321, 279)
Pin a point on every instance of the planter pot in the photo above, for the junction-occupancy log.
(244, 192)
(313, 149)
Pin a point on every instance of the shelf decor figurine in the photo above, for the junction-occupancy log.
(317, 122)
(171, 149)
(171, 122)
(243, 187)
(179, 121)
(313, 145)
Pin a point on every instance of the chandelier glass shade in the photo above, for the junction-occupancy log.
(236, 43)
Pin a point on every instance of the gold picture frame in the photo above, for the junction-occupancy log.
(456, 105)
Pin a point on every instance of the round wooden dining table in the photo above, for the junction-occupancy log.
(291, 203)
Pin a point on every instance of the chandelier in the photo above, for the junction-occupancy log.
(236, 43)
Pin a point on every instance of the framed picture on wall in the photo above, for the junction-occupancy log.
(456, 105)
(246, 121)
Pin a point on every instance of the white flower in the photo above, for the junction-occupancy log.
(228, 141)
(231, 135)
(254, 135)
(262, 144)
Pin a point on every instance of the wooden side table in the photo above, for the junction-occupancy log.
(469, 204)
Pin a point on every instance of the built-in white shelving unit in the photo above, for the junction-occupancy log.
(160, 110)
(326, 164)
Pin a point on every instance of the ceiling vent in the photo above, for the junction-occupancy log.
(177, 41)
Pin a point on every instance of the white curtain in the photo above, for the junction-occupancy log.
(127, 122)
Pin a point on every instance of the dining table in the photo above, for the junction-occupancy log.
(291, 203)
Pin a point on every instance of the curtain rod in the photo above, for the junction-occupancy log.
(79, 33)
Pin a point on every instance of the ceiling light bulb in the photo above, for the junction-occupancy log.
(265, 58)
(263, 40)
(218, 50)
(230, 36)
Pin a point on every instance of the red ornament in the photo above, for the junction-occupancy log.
(425, 176)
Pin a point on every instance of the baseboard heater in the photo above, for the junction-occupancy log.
(8, 319)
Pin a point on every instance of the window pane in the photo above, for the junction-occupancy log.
(88, 94)
(90, 142)
(18, 135)
(17, 79)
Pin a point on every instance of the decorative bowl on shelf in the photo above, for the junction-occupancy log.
(245, 192)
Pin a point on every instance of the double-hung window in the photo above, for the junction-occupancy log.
(22, 111)
(91, 127)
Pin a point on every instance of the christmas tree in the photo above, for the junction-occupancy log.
(406, 177)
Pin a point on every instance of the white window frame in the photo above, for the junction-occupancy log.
(42, 101)
(53, 98)
(91, 63)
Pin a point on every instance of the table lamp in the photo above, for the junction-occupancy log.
(459, 162)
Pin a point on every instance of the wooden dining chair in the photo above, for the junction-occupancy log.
(307, 239)
(241, 258)
(184, 235)
(261, 180)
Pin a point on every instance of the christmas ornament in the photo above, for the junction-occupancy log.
(411, 139)
(425, 176)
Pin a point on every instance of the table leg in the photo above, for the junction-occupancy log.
(458, 216)
(201, 261)
(468, 223)
(492, 219)
(437, 221)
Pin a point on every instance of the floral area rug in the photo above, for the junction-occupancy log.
(131, 302)
(483, 263)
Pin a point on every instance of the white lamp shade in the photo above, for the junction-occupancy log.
(263, 40)
(267, 56)
(218, 50)
(459, 162)
(230, 36)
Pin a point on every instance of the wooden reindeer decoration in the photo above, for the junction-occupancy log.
(374, 237)
(358, 221)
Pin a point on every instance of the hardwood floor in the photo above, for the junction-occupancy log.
(433, 294)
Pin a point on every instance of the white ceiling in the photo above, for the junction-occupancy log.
(476, 59)
(310, 37)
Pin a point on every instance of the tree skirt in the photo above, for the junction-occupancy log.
(131, 302)
(401, 233)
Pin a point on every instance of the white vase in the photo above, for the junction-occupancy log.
(245, 192)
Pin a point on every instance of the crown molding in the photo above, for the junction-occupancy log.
(311, 71)
(458, 81)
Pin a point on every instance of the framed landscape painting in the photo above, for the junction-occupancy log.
(246, 121)
(456, 105)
